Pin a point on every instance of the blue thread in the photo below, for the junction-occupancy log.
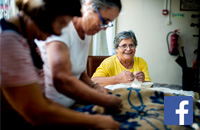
(158, 98)
(137, 108)
(124, 117)
(129, 125)
(151, 124)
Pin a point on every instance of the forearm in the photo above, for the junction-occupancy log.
(80, 120)
(57, 114)
(30, 103)
(106, 80)
(85, 79)
(77, 90)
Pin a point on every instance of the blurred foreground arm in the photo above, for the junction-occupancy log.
(29, 102)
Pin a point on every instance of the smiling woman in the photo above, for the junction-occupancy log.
(123, 67)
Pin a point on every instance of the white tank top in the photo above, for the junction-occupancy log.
(78, 54)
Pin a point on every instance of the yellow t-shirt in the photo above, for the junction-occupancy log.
(111, 66)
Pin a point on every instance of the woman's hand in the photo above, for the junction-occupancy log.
(105, 123)
(113, 104)
(140, 76)
(101, 88)
(126, 77)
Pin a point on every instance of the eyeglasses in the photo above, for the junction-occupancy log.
(103, 22)
(124, 47)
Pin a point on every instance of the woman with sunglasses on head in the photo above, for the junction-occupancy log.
(23, 104)
(123, 67)
(65, 57)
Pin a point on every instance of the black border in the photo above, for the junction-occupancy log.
(194, 3)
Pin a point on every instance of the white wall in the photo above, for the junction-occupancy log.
(145, 18)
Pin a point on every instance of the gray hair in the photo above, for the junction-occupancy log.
(124, 35)
(105, 4)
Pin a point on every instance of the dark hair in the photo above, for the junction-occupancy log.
(43, 12)
(124, 35)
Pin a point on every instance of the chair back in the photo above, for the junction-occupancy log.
(93, 62)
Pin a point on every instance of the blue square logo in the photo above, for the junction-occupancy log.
(178, 110)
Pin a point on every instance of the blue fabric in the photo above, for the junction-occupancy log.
(143, 109)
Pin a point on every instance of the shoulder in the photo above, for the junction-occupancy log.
(57, 46)
(64, 37)
(11, 39)
(109, 59)
(11, 34)
(109, 62)
(14, 45)
(53, 38)
(139, 59)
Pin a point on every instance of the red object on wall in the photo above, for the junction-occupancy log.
(174, 41)
(165, 12)
(173, 47)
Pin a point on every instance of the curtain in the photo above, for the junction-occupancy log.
(102, 42)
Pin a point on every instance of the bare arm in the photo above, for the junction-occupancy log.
(84, 78)
(29, 102)
(123, 77)
(104, 81)
(66, 83)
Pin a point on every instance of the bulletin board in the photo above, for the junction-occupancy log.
(190, 5)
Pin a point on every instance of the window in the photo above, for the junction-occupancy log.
(102, 43)
(7, 8)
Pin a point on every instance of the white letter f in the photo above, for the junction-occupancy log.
(181, 111)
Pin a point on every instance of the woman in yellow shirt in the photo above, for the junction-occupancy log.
(123, 67)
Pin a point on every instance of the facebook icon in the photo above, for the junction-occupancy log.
(178, 110)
